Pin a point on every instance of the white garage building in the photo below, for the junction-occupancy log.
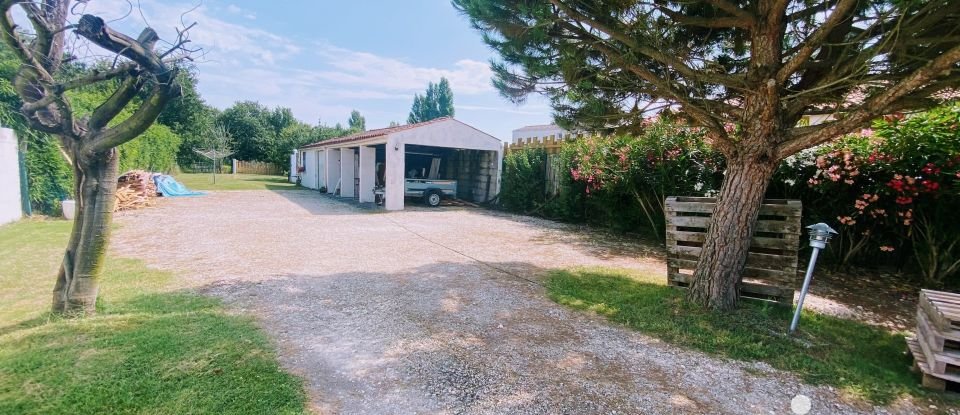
(361, 165)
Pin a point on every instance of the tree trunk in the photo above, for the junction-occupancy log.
(717, 277)
(75, 292)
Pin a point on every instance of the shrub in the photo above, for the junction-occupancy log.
(154, 150)
(627, 178)
(524, 180)
(50, 178)
(893, 190)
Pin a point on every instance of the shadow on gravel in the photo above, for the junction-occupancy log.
(446, 336)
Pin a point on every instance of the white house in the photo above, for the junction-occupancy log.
(357, 165)
(538, 133)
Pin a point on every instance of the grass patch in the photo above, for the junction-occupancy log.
(204, 181)
(861, 360)
(150, 348)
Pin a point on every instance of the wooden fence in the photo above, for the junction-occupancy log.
(256, 167)
(771, 270)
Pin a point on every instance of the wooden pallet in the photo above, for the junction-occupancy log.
(943, 311)
(771, 269)
(934, 338)
(930, 380)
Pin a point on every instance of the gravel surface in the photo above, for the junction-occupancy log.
(441, 311)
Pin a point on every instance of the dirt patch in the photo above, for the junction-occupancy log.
(440, 310)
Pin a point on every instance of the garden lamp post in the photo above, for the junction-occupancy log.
(820, 234)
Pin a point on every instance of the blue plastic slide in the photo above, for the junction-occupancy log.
(170, 187)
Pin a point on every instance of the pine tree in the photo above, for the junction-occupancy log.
(746, 71)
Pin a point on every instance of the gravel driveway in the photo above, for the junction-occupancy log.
(440, 310)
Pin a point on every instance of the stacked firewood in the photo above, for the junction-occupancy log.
(135, 190)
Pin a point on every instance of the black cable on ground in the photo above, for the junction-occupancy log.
(477, 260)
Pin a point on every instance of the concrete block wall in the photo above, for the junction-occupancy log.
(484, 176)
(476, 174)
(10, 207)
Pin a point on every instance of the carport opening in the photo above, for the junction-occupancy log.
(463, 174)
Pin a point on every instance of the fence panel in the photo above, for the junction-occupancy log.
(257, 167)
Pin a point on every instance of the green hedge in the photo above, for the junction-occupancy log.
(892, 191)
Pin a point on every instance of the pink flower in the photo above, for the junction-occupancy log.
(887, 248)
(846, 220)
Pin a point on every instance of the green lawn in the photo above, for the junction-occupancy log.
(204, 181)
(861, 360)
(150, 349)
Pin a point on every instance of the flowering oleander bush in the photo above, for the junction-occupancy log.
(626, 178)
(892, 190)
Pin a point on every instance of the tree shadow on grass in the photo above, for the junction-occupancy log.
(159, 353)
(861, 359)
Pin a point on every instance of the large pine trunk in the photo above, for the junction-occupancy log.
(79, 278)
(724, 254)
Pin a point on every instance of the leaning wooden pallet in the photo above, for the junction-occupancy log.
(936, 346)
(771, 269)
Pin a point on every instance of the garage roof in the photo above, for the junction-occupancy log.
(380, 132)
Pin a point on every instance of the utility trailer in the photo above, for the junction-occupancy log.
(431, 191)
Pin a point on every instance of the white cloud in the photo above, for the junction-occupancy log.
(234, 9)
(367, 70)
(220, 39)
(317, 79)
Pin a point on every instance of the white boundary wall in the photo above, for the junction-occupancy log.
(10, 208)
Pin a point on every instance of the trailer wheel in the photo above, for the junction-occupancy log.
(432, 198)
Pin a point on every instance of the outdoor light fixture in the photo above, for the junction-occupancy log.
(820, 235)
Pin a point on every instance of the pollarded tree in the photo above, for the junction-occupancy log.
(747, 71)
(44, 83)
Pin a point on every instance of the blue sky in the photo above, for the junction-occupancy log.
(325, 58)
